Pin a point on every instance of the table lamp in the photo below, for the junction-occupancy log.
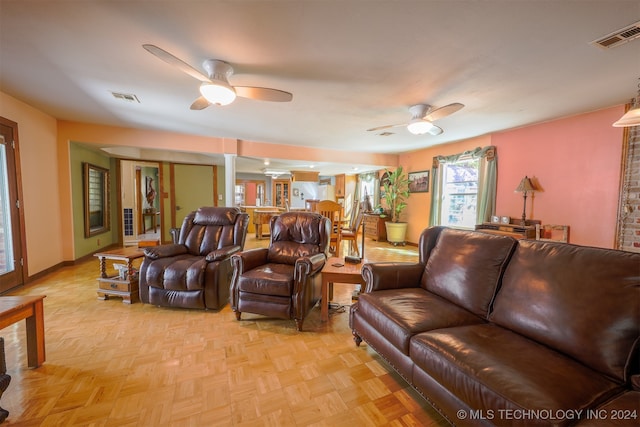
(525, 187)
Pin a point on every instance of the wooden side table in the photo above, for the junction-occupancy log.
(114, 285)
(331, 273)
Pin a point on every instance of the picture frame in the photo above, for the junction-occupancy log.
(419, 182)
(296, 192)
(495, 219)
(505, 220)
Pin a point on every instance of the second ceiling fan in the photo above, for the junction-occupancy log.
(422, 118)
(215, 87)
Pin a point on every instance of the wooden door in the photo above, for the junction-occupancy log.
(193, 187)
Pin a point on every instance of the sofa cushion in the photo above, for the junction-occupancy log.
(268, 279)
(582, 301)
(398, 314)
(491, 369)
(466, 268)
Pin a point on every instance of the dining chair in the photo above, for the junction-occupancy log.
(333, 211)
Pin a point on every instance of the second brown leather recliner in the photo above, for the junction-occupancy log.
(284, 279)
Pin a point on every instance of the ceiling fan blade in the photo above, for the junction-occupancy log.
(176, 62)
(442, 112)
(263, 94)
(435, 130)
(200, 104)
(386, 127)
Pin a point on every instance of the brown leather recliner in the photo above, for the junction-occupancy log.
(284, 279)
(195, 271)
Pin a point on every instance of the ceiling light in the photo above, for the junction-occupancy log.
(419, 126)
(218, 92)
(631, 117)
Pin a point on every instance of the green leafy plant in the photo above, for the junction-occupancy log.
(396, 191)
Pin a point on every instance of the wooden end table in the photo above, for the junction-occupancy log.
(30, 308)
(347, 273)
(114, 285)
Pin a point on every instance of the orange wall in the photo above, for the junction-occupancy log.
(576, 161)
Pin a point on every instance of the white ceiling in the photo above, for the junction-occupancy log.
(350, 64)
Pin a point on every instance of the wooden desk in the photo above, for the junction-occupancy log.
(114, 285)
(30, 308)
(349, 273)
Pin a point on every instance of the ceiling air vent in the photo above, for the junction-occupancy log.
(618, 37)
(125, 97)
(386, 133)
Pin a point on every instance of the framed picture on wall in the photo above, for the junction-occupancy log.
(419, 182)
(296, 192)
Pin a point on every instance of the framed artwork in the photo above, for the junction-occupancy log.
(495, 219)
(296, 192)
(505, 219)
(419, 182)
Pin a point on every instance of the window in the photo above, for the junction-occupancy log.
(464, 188)
(460, 193)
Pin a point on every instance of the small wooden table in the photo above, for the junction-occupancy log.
(154, 220)
(114, 285)
(348, 273)
(13, 309)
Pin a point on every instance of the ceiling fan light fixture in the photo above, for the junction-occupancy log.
(419, 126)
(219, 93)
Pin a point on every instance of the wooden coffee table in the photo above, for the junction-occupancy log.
(331, 273)
(13, 309)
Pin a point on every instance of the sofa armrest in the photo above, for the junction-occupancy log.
(163, 251)
(222, 253)
(391, 275)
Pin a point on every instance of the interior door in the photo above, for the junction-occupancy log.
(193, 188)
(11, 260)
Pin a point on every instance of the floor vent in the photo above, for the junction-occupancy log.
(618, 37)
(126, 97)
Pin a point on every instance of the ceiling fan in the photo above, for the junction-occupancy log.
(215, 87)
(422, 118)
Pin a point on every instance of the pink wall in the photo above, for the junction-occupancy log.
(576, 161)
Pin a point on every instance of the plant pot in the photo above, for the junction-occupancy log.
(396, 232)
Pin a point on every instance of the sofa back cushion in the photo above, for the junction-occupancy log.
(297, 234)
(582, 301)
(465, 267)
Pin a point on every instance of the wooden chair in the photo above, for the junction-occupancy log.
(333, 211)
(552, 233)
(350, 233)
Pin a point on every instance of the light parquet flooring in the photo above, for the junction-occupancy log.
(112, 364)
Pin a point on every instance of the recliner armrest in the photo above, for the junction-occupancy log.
(309, 266)
(392, 275)
(163, 251)
(250, 259)
(222, 253)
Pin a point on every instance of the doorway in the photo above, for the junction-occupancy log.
(141, 207)
(11, 236)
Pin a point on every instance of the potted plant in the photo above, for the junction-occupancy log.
(396, 191)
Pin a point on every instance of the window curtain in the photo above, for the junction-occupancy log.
(368, 183)
(487, 182)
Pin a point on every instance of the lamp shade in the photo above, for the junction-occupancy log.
(525, 186)
(630, 118)
(419, 126)
(218, 92)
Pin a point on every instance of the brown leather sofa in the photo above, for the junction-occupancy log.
(496, 331)
(195, 271)
(284, 279)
